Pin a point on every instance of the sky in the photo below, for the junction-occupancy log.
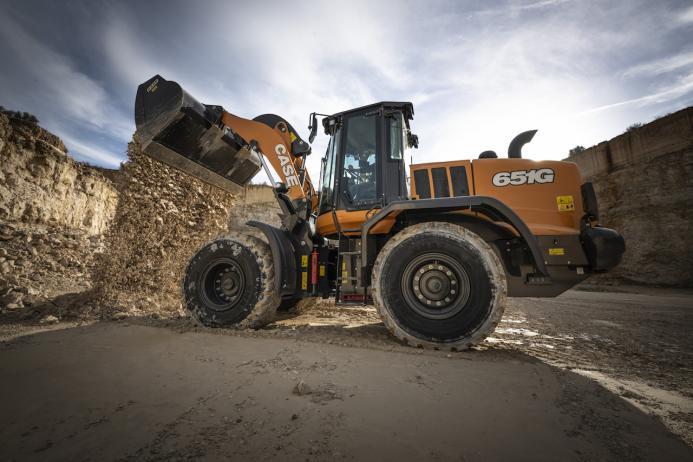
(478, 72)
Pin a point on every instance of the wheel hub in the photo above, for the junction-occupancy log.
(223, 282)
(436, 286)
(227, 283)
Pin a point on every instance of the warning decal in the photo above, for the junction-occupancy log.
(565, 203)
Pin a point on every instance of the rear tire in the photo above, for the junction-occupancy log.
(439, 285)
(230, 281)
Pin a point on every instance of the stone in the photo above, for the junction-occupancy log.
(12, 298)
(120, 315)
(49, 319)
(302, 388)
(7, 266)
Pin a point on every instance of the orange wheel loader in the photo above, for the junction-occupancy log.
(436, 253)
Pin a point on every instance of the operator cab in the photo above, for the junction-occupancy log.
(363, 167)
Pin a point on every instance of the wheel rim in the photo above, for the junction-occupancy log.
(223, 283)
(435, 286)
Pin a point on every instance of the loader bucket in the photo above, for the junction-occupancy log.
(181, 132)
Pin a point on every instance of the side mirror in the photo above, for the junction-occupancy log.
(313, 127)
(412, 140)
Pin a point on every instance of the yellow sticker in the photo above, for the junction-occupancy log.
(565, 203)
(304, 280)
(304, 261)
(557, 251)
(293, 136)
(322, 270)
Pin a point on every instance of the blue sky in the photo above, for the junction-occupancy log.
(478, 72)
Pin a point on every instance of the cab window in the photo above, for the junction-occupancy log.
(328, 174)
(359, 172)
(396, 135)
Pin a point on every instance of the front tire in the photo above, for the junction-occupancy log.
(230, 281)
(439, 285)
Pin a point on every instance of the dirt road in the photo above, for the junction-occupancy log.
(331, 384)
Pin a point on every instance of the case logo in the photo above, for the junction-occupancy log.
(520, 177)
(287, 166)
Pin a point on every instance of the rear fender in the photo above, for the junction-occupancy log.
(489, 206)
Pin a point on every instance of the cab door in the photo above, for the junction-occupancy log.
(363, 170)
(351, 171)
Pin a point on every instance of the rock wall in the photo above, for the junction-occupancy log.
(256, 202)
(53, 211)
(162, 218)
(644, 184)
(40, 184)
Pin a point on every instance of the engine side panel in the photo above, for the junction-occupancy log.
(545, 194)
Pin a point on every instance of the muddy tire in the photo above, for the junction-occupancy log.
(439, 285)
(230, 281)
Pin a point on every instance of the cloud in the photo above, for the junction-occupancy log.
(669, 93)
(50, 80)
(47, 83)
(661, 66)
(686, 16)
(90, 152)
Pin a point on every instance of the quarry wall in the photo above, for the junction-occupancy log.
(256, 202)
(40, 184)
(53, 212)
(644, 184)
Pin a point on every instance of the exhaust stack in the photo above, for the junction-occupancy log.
(515, 147)
(176, 129)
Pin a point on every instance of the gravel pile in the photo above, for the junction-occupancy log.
(163, 217)
(38, 263)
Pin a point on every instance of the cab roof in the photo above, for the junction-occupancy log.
(406, 107)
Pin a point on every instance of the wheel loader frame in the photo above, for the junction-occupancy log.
(355, 248)
(437, 256)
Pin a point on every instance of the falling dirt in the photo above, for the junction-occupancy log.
(162, 218)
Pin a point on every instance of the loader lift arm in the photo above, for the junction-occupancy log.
(222, 148)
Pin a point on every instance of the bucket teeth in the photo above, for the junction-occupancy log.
(176, 129)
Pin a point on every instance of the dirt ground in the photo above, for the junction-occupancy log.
(587, 376)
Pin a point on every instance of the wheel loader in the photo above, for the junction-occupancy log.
(436, 251)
